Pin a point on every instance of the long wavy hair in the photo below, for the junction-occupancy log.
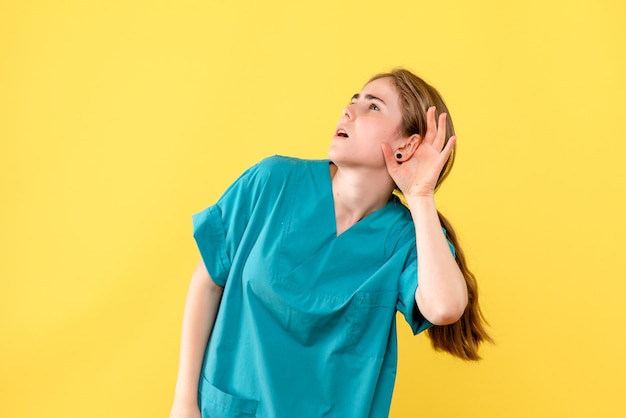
(463, 337)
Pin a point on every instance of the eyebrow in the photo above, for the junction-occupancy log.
(368, 97)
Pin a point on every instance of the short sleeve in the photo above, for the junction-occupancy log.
(218, 229)
(409, 282)
(406, 300)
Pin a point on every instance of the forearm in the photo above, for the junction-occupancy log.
(442, 292)
(203, 299)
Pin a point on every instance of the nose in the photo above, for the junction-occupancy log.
(348, 112)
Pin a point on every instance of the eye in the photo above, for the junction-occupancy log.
(374, 107)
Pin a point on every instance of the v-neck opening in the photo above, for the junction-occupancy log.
(331, 199)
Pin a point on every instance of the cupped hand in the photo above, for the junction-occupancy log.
(418, 171)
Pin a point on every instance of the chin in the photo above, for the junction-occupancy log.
(333, 155)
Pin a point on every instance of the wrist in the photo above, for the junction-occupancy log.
(421, 206)
(186, 397)
(420, 199)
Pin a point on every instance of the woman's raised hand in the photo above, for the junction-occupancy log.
(419, 170)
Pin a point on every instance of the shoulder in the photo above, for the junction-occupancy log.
(281, 168)
(401, 229)
(274, 173)
(403, 222)
(276, 164)
(280, 163)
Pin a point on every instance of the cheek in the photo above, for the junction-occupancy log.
(390, 132)
(392, 137)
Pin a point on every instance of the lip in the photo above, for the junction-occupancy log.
(341, 129)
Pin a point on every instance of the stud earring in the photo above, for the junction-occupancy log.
(398, 155)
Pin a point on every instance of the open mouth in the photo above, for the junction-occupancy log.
(342, 133)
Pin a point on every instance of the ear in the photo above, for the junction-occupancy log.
(406, 151)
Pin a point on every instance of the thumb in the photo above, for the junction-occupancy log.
(388, 155)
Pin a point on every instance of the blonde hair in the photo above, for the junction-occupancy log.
(463, 337)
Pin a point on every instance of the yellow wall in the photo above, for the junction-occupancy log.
(120, 119)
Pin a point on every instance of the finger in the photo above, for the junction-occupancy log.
(440, 137)
(431, 126)
(390, 160)
(447, 150)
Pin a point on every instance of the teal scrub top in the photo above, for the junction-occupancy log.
(306, 326)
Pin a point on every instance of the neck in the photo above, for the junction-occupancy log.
(358, 193)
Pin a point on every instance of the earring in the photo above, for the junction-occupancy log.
(398, 156)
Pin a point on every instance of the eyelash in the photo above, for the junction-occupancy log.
(372, 106)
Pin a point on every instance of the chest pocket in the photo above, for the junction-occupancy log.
(371, 317)
(307, 317)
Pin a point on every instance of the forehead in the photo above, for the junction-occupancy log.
(383, 88)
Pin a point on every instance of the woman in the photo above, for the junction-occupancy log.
(305, 263)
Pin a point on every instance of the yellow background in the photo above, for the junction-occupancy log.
(120, 119)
